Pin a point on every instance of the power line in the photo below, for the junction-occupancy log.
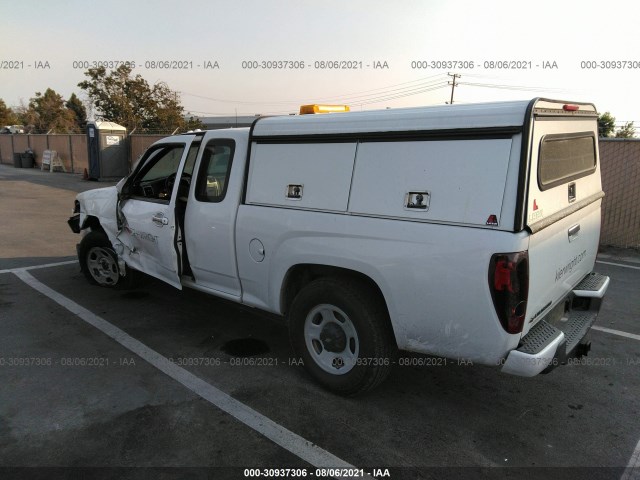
(422, 82)
(384, 99)
(511, 87)
(493, 77)
(405, 91)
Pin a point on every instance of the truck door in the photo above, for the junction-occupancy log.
(148, 231)
(211, 215)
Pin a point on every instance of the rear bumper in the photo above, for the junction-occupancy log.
(547, 344)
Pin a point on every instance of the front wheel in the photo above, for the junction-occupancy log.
(99, 262)
(341, 330)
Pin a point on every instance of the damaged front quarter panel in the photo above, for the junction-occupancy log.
(102, 204)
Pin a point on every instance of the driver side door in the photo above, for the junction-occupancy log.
(147, 211)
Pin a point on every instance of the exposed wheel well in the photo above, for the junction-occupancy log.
(300, 275)
(93, 223)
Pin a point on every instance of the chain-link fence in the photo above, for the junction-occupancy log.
(71, 148)
(620, 166)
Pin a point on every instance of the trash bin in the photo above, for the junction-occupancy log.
(27, 159)
(17, 160)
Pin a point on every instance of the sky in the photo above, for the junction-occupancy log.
(271, 56)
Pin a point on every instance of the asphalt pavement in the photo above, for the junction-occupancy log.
(160, 383)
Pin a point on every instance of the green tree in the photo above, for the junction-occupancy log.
(606, 125)
(46, 111)
(130, 101)
(628, 131)
(193, 123)
(7, 115)
(75, 105)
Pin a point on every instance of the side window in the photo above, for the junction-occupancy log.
(191, 158)
(156, 178)
(565, 157)
(215, 167)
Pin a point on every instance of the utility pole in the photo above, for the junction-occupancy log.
(453, 85)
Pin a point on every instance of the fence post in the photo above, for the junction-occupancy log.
(71, 152)
(130, 140)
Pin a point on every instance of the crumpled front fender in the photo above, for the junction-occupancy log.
(100, 203)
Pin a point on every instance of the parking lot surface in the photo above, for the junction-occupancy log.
(160, 383)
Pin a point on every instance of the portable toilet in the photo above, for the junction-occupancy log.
(107, 146)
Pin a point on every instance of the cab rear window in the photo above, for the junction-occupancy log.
(214, 170)
(565, 157)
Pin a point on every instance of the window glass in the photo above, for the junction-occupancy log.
(166, 163)
(214, 170)
(191, 158)
(565, 157)
(156, 178)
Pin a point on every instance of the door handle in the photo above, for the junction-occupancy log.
(573, 232)
(160, 220)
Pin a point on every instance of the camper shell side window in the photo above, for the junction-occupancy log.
(565, 157)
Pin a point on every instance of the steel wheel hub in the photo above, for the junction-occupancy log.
(331, 339)
(103, 266)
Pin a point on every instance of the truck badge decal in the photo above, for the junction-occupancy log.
(536, 215)
(561, 272)
(141, 235)
(492, 220)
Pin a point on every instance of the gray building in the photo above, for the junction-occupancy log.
(214, 123)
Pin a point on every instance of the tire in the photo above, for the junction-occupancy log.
(341, 330)
(99, 262)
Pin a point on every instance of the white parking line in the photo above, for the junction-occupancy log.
(606, 256)
(283, 437)
(36, 267)
(632, 472)
(618, 264)
(299, 446)
(616, 332)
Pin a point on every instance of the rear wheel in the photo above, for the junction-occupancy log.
(99, 262)
(340, 328)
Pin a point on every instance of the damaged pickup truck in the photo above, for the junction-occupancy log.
(463, 231)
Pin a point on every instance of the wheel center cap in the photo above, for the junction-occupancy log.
(333, 338)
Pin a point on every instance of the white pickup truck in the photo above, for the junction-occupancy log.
(463, 231)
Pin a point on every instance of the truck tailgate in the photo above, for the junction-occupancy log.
(560, 256)
(564, 194)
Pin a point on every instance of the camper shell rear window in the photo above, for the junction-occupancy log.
(565, 157)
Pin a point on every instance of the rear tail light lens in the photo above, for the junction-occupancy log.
(509, 285)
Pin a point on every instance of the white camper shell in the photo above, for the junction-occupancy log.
(465, 231)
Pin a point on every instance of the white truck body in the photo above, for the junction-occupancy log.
(476, 225)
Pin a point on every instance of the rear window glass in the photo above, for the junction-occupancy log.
(214, 170)
(565, 157)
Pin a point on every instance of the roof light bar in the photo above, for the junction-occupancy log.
(315, 108)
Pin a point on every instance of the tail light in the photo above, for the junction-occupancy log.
(509, 285)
